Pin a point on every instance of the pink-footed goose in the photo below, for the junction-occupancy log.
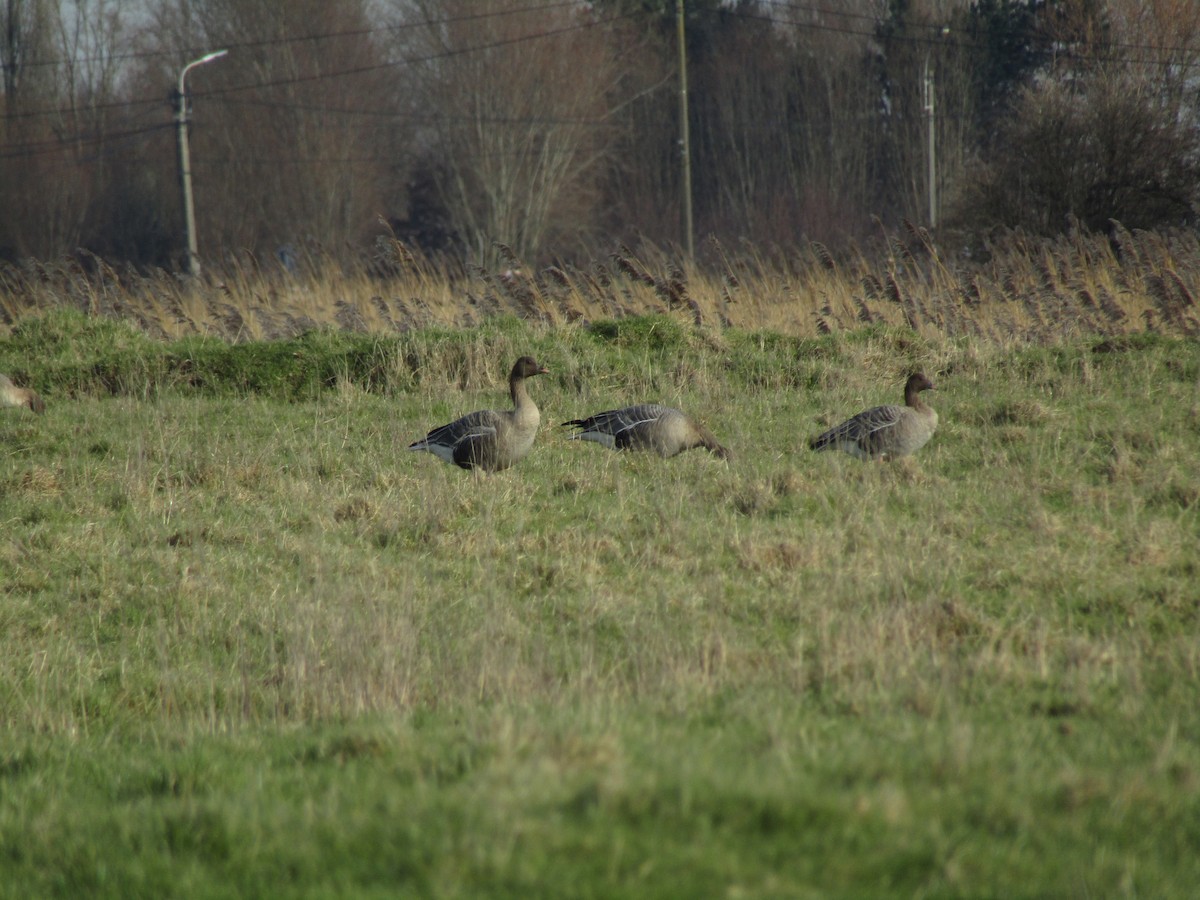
(647, 426)
(11, 395)
(490, 440)
(885, 432)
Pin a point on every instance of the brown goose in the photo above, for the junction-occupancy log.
(490, 440)
(11, 395)
(647, 426)
(885, 432)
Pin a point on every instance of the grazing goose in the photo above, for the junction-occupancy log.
(647, 426)
(886, 432)
(487, 439)
(11, 395)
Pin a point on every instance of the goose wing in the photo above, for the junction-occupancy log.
(620, 428)
(863, 431)
(470, 430)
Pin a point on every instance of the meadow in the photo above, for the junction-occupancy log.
(255, 647)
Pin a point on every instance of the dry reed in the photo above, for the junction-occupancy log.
(1010, 286)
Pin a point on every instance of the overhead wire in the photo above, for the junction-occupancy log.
(226, 93)
(266, 42)
(302, 38)
(223, 93)
(415, 60)
(941, 35)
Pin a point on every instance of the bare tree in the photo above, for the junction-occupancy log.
(293, 133)
(641, 181)
(1096, 151)
(1104, 134)
(515, 121)
(786, 116)
(61, 82)
(25, 29)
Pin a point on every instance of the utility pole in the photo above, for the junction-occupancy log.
(185, 165)
(684, 141)
(931, 122)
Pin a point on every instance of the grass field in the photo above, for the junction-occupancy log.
(254, 647)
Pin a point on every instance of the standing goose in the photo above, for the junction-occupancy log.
(648, 426)
(11, 395)
(490, 440)
(886, 432)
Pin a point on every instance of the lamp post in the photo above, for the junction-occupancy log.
(931, 135)
(930, 100)
(684, 138)
(185, 165)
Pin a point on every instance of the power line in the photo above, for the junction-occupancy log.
(225, 94)
(76, 142)
(415, 60)
(938, 27)
(220, 94)
(939, 36)
(425, 117)
(356, 70)
(788, 5)
(302, 38)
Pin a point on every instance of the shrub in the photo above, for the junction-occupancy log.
(1105, 148)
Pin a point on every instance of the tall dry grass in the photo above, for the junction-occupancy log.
(1005, 287)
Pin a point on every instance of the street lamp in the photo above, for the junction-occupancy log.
(684, 137)
(185, 166)
(930, 98)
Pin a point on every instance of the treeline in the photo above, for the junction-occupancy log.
(552, 128)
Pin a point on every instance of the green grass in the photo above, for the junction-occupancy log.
(253, 646)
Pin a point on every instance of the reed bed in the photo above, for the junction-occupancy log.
(1008, 286)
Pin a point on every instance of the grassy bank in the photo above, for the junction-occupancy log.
(254, 646)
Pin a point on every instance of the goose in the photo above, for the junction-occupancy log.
(647, 426)
(885, 432)
(490, 440)
(11, 395)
